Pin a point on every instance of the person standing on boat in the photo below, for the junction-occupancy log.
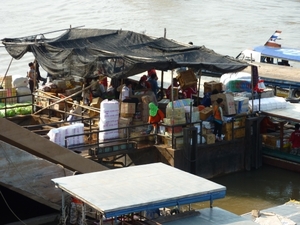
(295, 140)
(155, 116)
(218, 119)
(190, 91)
(38, 73)
(126, 94)
(31, 76)
(97, 89)
(143, 84)
(153, 82)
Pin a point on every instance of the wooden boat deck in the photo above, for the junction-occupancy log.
(276, 72)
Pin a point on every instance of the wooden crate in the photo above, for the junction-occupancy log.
(7, 82)
(210, 138)
(187, 79)
(238, 133)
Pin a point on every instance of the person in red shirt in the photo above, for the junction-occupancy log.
(155, 116)
(175, 84)
(267, 125)
(218, 119)
(295, 140)
(143, 84)
(190, 91)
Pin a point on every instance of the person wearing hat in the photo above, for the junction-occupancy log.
(143, 84)
(155, 116)
(218, 119)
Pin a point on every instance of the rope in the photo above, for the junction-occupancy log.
(11, 209)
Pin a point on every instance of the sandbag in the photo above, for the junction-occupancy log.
(20, 82)
(24, 91)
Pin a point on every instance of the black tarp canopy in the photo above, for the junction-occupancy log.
(118, 53)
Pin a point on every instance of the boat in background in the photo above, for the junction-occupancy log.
(273, 63)
(271, 52)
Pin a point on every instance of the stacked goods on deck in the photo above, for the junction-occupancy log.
(9, 91)
(9, 97)
(273, 140)
(234, 129)
(58, 135)
(58, 88)
(109, 118)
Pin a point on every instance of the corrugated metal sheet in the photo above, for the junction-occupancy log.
(138, 188)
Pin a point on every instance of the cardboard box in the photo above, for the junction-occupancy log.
(212, 85)
(206, 113)
(96, 102)
(176, 113)
(228, 102)
(238, 133)
(241, 104)
(239, 123)
(210, 138)
(175, 121)
(127, 108)
(187, 79)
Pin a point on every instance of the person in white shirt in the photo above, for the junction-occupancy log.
(125, 95)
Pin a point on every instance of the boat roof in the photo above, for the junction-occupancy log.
(290, 113)
(116, 53)
(290, 54)
(133, 189)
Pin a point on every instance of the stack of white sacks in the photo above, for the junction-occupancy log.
(267, 104)
(58, 135)
(21, 85)
(109, 118)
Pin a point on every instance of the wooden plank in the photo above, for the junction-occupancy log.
(43, 148)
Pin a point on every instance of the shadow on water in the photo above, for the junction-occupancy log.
(257, 189)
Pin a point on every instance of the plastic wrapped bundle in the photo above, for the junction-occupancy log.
(109, 118)
(238, 86)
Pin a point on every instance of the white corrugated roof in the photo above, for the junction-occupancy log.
(290, 113)
(138, 188)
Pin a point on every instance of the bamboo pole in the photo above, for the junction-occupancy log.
(70, 102)
(63, 99)
(6, 73)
